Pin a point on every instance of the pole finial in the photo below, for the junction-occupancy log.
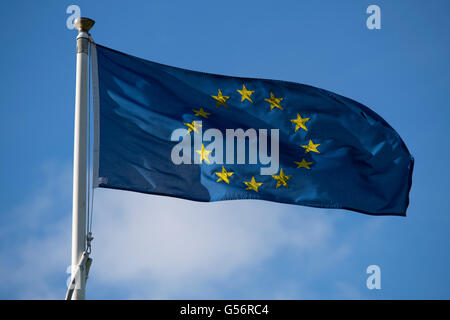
(83, 24)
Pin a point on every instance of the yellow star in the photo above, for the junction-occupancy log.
(193, 126)
(303, 164)
(274, 102)
(281, 179)
(300, 122)
(224, 175)
(252, 184)
(201, 113)
(311, 147)
(203, 154)
(221, 99)
(245, 94)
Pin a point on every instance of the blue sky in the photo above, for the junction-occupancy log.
(155, 247)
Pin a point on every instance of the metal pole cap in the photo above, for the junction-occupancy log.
(83, 24)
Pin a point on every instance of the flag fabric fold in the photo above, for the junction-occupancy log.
(169, 131)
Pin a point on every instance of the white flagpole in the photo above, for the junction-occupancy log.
(83, 26)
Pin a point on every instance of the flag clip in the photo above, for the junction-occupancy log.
(89, 239)
(102, 180)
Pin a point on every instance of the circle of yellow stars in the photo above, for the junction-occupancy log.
(275, 102)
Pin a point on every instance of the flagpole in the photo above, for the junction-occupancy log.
(78, 270)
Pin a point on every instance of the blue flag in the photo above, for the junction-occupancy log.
(207, 137)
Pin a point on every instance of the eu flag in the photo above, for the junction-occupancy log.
(206, 137)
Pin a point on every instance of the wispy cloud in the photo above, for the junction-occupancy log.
(35, 239)
(180, 246)
(158, 247)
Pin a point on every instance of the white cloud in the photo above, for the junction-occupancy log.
(173, 244)
(35, 240)
(160, 247)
